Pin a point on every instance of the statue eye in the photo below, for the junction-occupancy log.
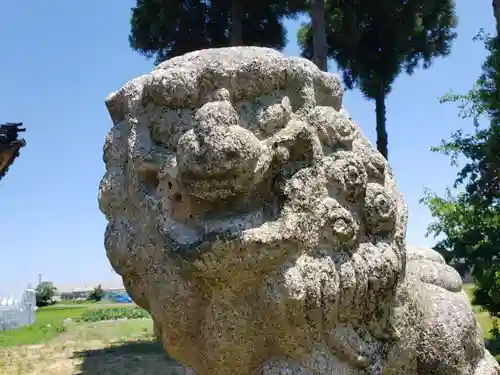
(274, 115)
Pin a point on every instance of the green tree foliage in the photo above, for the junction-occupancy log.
(373, 42)
(44, 293)
(469, 220)
(97, 294)
(166, 28)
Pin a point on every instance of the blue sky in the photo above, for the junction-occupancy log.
(60, 60)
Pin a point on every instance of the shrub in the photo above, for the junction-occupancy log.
(44, 293)
(97, 315)
(97, 294)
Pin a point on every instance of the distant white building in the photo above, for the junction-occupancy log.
(67, 292)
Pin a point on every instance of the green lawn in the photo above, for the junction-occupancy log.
(124, 347)
(47, 325)
(87, 305)
(50, 322)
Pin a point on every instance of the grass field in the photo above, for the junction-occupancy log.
(50, 322)
(50, 347)
(47, 325)
(103, 348)
(89, 305)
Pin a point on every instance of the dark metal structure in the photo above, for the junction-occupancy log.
(10, 144)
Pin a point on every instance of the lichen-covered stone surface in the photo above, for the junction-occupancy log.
(248, 213)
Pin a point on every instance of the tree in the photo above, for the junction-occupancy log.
(469, 221)
(496, 11)
(318, 28)
(166, 28)
(44, 293)
(373, 42)
(237, 14)
(97, 294)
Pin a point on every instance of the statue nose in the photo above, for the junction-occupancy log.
(217, 147)
(228, 150)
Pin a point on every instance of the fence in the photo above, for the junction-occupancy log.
(16, 313)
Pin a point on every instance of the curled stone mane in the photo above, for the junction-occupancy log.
(254, 221)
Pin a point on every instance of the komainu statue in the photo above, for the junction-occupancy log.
(264, 233)
(9, 145)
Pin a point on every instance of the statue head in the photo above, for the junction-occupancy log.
(235, 173)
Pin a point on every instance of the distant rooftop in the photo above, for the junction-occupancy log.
(106, 285)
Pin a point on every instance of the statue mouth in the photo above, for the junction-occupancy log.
(213, 188)
(221, 247)
(189, 237)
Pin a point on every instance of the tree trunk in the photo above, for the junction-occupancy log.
(496, 11)
(319, 34)
(236, 23)
(381, 129)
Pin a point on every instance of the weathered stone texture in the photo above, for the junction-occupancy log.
(265, 234)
